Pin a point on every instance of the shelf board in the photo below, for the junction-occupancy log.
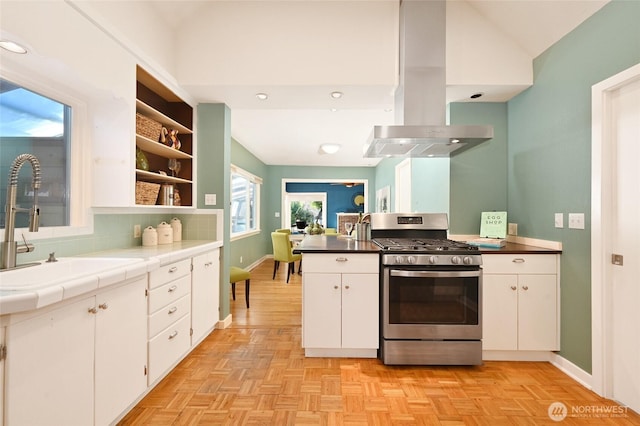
(143, 175)
(156, 115)
(149, 145)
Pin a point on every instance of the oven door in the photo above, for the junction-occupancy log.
(431, 304)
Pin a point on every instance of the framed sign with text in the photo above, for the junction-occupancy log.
(493, 225)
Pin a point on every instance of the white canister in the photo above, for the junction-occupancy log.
(176, 225)
(165, 233)
(149, 236)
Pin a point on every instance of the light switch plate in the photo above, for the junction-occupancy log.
(576, 220)
(209, 199)
(512, 229)
(559, 220)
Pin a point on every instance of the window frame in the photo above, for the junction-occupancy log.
(257, 181)
(80, 215)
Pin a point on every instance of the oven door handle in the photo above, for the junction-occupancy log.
(434, 274)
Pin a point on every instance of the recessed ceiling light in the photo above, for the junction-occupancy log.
(455, 140)
(12, 47)
(329, 148)
(336, 95)
(334, 109)
(262, 96)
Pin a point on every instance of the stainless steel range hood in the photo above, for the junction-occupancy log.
(420, 100)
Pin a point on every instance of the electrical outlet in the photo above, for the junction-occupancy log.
(559, 220)
(512, 229)
(136, 231)
(277, 214)
(576, 220)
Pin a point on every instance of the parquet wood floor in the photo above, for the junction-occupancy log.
(255, 373)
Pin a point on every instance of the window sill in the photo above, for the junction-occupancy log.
(244, 235)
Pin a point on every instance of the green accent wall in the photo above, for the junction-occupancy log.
(549, 156)
(214, 177)
(479, 174)
(255, 247)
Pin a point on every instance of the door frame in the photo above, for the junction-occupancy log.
(602, 225)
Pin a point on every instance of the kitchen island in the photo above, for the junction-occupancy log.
(340, 297)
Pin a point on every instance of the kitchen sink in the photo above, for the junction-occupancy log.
(63, 270)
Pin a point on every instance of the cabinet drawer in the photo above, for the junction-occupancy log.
(168, 293)
(168, 273)
(168, 314)
(341, 262)
(167, 347)
(519, 264)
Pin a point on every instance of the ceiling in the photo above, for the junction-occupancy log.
(299, 51)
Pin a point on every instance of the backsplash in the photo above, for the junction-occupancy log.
(115, 231)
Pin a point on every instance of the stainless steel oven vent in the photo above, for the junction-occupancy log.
(421, 95)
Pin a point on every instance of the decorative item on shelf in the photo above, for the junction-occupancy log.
(142, 163)
(170, 138)
(147, 193)
(176, 197)
(147, 127)
(166, 195)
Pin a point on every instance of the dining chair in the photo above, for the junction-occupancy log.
(282, 252)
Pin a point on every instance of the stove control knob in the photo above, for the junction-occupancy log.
(455, 260)
(433, 260)
(411, 260)
(467, 260)
(400, 259)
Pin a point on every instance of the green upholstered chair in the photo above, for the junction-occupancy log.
(284, 230)
(238, 274)
(330, 231)
(282, 252)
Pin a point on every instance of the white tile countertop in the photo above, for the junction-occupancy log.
(35, 287)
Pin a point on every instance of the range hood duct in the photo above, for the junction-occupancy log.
(420, 99)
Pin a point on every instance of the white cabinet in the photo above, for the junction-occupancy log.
(77, 363)
(340, 304)
(169, 317)
(521, 302)
(205, 294)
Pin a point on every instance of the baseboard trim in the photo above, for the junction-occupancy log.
(225, 322)
(572, 370)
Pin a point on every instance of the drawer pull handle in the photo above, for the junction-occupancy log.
(172, 270)
(93, 310)
(103, 306)
(513, 287)
(173, 310)
(518, 260)
(208, 264)
(172, 288)
(173, 335)
(525, 287)
(341, 259)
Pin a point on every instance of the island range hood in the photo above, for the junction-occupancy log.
(420, 99)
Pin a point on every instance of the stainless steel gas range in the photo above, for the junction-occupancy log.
(431, 292)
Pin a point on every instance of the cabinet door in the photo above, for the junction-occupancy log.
(121, 349)
(49, 367)
(537, 312)
(500, 312)
(321, 311)
(205, 294)
(360, 307)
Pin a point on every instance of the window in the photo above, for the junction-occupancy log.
(31, 123)
(245, 202)
(305, 208)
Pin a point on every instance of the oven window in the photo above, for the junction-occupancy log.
(445, 300)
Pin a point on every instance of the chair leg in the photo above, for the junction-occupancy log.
(233, 290)
(247, 284)
(300, 267)
(289, 271)
(276, 264)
